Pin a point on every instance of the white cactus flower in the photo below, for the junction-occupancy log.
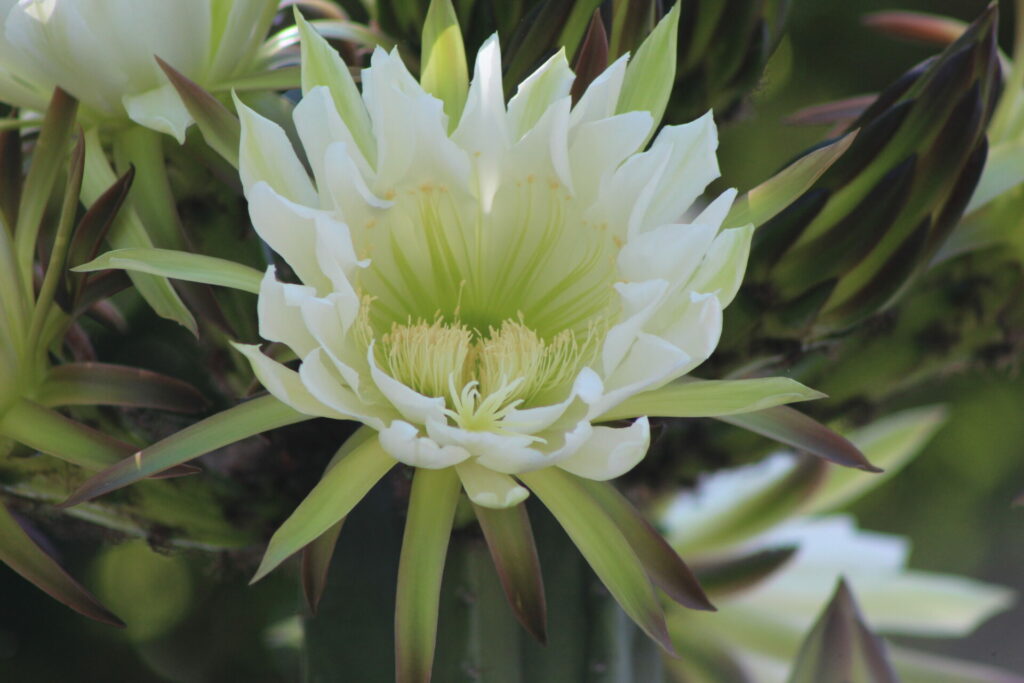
(480, 293)
(102, 52)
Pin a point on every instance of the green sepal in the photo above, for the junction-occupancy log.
(342, 486)
(510, 542)
(234, 424)
(444, 72)
(428, 527)
(793, 428)
(220, 128)
(322, 65)
(604, 547)
(19, 552)
(841, 648)
(178, 265)
(711, 398)
(91, 383)
(128, 231)
(663, 564)
(651, 73)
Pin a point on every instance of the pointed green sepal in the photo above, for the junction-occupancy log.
(841, 648)
(793, 428)
(889, 443)
(91, 383)
(652, 71)
(322, 65)
(444, 74)
(49, 432)
(711, 398)
(663, 564)
(428, 528)
(342, 486)
(510, 541)
(603, 546)
(220, 128)
(19, 552)
(178, 265)
(234, 424)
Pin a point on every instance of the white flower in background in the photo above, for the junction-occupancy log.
(102, 52)
(761, 626)
(481, 291)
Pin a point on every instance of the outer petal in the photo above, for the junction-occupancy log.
(285, 384)
(650, 362)
(597, 148)
(535, 95)
(602, 95)
(319, 126)
(280, 314)
(160, 109)
(692, 165)
(488, 488)
(723, 268)
(326, 386)
(483, 128)
(266, 155)
(610, 452)
(290, 230)
(402, 442)
(669, 252)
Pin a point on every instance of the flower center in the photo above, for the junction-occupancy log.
(483, 375)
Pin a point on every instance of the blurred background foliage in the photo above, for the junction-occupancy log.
(201, 622)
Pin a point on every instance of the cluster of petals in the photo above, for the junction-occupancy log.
(102, 53)
(547, 217)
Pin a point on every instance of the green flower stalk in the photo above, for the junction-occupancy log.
(501, 295)
(875, 219)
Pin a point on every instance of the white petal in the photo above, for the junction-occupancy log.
(715, 212)
(723, 268)
(402, 442)
(319, 126)
(535, 95)
(413, 405)
(597, 148)
(290, 230)
(610, 452)
(639, 300)
(695, 329)
(279, 311)
(602, 95)
(285, 384)
(266, 155)
(544, 150)
(483, 128)
(160, 109)
(488, 488)
(650, 363)
(692, 165)
(669, 252)
(322, 383)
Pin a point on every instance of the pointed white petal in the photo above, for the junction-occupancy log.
(285, 384)
(290, 230)
(402, 441)
(535, 95)
(723, 268)
(280, 314)
(692, 165)
(266, 155)
(160, 109)
(610, 452)
(326, 386)
(670, 252)
(488, 488)
(602, 95)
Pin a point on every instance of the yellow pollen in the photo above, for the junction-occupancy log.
(481, 376)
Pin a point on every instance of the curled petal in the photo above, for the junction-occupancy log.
(610, 452)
